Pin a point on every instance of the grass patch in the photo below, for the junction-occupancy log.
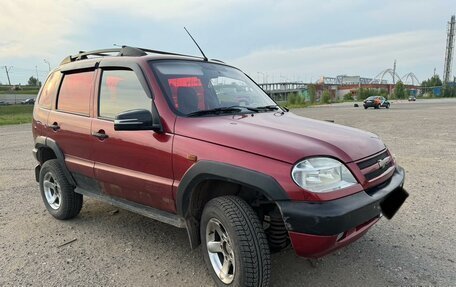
(15, 114)
(20, 92)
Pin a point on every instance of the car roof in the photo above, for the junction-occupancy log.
(132, 54)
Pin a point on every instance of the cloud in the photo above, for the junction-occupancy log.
(365, 57)
(193, 10)
(38, 28)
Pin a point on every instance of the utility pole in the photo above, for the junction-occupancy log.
(7, 69)
(394, 73)
(49, 64)
(449, 50)
(37, 79)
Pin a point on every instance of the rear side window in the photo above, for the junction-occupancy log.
(49, 90)
(121, 91)
(74, 95)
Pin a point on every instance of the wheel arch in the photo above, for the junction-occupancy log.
(46, 149)
(208, 179)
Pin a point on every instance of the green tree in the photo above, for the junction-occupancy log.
(399, 91)
(326, 97)
(33, 81)
(363, 93)
(312, 92)
(434, 81)
(383, 93)
(449, 91)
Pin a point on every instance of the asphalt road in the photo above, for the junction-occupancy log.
(417, 247)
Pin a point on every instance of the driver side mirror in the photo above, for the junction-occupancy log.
(136, 120)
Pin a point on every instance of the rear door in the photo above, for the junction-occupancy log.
(134, 165)
(69, 123)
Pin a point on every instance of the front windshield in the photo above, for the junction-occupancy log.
(191, 87)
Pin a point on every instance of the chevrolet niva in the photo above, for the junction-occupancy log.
(195, 143)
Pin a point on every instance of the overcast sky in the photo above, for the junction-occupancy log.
(283, 40)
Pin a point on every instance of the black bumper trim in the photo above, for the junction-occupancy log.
(336, 216)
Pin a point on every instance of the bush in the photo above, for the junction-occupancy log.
(326, 97)
(348, 97)
(292, 99)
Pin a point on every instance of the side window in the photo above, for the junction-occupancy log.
(120, 91)
(49, 90)
(74, 95)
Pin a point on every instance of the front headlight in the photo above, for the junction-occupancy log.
(322, 174)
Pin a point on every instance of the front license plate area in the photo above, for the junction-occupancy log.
(391, 204)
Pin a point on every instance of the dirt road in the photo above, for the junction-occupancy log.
(120, 248)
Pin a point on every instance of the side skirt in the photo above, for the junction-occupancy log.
(144, 210)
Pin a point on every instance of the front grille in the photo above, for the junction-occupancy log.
(373, 160)
(371, 168)
(378, 172)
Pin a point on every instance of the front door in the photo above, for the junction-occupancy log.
(133, 165)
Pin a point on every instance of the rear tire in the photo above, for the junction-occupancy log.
(388, 106)
(238, 252)
(58, 194)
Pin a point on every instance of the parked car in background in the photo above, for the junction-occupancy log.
(376, 102)
(30, 101)
(412, 98)
(3, 103)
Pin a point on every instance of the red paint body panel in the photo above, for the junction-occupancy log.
(285, 137)
(135, 165)
(74, 139)
(315, 246)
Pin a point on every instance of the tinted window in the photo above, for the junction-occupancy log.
(74, 95)
(49, 90)
(121, 91)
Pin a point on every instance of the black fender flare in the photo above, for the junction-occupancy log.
(208, 170)
(46, 142)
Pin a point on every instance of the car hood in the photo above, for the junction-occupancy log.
(282, 136)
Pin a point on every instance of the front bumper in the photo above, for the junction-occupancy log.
(317, 228)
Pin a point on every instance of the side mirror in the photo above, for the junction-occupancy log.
(135, 120)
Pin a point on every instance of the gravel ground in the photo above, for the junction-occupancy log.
(120, 248)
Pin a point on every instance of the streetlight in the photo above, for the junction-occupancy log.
(49, 64)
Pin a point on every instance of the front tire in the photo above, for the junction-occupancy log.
(58, 194)
(234, 244)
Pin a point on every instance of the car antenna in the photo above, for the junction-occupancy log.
(204, 56)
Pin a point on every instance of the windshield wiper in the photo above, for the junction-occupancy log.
(214, 111)
(269, 107)
(230, 109)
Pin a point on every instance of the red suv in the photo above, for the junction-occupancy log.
(195, 143)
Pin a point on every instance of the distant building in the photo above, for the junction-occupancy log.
(346, 80)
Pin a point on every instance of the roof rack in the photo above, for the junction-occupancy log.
(124, 51)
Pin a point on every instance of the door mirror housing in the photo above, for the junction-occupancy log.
(136, 120)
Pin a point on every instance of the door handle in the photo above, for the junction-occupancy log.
(100, 134)
(55, 126)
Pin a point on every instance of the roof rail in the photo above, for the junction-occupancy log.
(124, 51)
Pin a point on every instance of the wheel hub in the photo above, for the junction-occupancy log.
(220, 251)
(51, 190)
